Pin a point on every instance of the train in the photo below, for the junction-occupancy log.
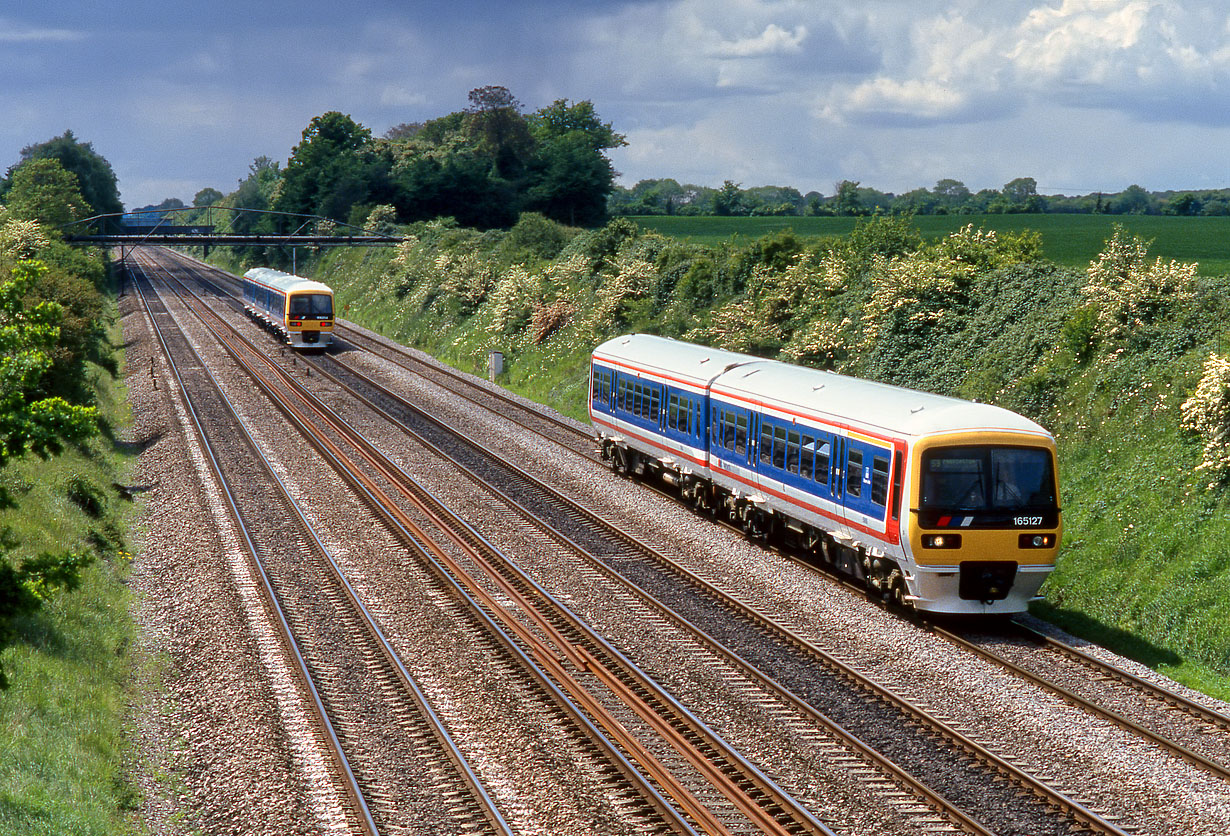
(942, 505)
(298, 309)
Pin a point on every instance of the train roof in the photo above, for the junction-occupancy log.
(691, 363)
(285, 282)
(801, 391)
(851, 400)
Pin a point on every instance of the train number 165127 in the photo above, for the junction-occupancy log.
(1027, 521)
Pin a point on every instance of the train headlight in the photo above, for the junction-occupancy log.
(1036, 541)
(941, 541)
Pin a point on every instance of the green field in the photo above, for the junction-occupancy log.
(1071, 240)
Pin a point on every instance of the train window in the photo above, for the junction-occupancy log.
(897, 488)
(729, 431)
(792, 452)
(879, 480)
(741, 435)
(807, 452)
(822, 463)
(653, 406)
(854, 473)
(679, 413)
(311, 304)
(974, 478)
(606, 387)
(766, 443)
(779, 448)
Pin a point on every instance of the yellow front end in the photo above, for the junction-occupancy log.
(984, 521)
(309, 319)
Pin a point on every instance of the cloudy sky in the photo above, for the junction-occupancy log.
(1082, 95)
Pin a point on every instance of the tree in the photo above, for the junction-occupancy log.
(499, 128)
(1183, 204)
(952, 194)
(207, 197)
(43, 191)
(570, 178)
(32, 423)
(1133, 201)
(95, 178)
(1021, 195)
(570, 182)
(328, 156)
(728, 200)
(846, 200)
(561, 119)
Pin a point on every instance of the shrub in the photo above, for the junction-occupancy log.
(1207, 413)
(634, 278)
(549, 318)
(536, 235)
(1129, 292)
(22, 239)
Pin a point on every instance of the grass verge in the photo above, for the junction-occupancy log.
(63, 750)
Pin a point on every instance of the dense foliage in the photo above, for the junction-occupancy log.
(50, 328)
(99, 191)
(482, 166)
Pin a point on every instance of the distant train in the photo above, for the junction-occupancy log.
(944, 505)
(299, 309)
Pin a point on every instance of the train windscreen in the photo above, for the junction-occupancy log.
(987, 478)
(311, 305)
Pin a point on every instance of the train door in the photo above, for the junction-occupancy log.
(838, 460)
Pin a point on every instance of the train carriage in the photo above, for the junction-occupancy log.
(299, 309)
(944, 504)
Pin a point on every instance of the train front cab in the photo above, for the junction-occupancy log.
(309, 318)
(984, 521)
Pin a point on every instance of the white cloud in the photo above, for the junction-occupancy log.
(393, 95)
(1154, 59)
(12, 31)
(774, 40)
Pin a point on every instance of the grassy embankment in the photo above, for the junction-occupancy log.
(1146, 553)
(63, 752)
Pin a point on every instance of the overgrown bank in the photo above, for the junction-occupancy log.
(62, 736)
(1104, 357)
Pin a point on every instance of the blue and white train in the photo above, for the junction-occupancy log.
(945, 505)
(299, 309)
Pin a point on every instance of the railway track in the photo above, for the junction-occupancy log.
(322, 626)
(1165, 718)
(1205, 745)
(753, 801)
(849, 699)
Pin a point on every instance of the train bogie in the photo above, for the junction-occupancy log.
(941, 504)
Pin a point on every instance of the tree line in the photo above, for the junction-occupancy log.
(483, 166)
(947, 197)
